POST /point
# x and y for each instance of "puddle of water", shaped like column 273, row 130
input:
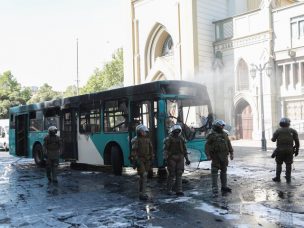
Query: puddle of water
column 260, row 195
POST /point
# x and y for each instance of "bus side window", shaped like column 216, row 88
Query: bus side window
column 89, row 121
column 141, row 113
column 36, row 121
column 116, row 116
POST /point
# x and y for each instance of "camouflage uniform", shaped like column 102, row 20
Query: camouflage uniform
column 52, row 149
column 142, row 157
column 174, row 153
column 218, row 147
column 285, row 137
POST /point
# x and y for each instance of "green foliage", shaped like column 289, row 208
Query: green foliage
column 44, row 93
column 110, row 75
column 11, row 93
column 70, row 91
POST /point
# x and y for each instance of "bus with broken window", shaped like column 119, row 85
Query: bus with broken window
column 97, row 128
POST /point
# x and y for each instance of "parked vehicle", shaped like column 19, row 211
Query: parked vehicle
column 4, row 135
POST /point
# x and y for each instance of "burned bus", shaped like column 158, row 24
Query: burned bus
column 97, row 128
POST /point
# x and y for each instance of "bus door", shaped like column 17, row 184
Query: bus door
column 68, row 134
column 145, row 112
column 21, row 133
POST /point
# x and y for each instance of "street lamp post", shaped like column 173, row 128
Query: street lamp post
column 253, row 70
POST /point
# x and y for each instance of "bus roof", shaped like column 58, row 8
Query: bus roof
column 137, row 92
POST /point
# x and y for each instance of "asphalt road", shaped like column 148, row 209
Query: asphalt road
column 100, row 199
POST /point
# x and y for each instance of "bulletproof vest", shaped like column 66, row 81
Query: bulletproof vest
column 52, row 143
column 175, row 145
column 220, row 144
column 143, row 147
column 285, row 137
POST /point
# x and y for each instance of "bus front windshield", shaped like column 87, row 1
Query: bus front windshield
column 188, row 114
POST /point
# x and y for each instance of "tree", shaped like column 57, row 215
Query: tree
column 44, row 93
column 11, row 93
column 110, row 75
column 70, row 91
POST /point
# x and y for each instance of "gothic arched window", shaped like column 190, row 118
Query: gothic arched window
column 242, row 76
column 167, row 48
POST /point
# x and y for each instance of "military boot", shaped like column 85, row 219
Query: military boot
column 277, row 178
column 223, row 177
column 179, row 188
column 288, row 173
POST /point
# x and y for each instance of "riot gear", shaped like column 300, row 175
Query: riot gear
column 218, row 147
column 287, row 144
column 52, row 130
column 52, row 145
column 142, row 157
column 141, row 129
column 175, row 129
column 218, row 125
column 284, row 122
column 175, row 151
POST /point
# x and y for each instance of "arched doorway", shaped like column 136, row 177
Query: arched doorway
column 244, row 120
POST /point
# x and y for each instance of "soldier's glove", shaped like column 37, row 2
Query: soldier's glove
column 133, row 162
column 274, row 154
column 231, row 156
column 188, row 162
column 295, row 151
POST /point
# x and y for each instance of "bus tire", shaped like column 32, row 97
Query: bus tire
column 116, row 160
column 38, row 155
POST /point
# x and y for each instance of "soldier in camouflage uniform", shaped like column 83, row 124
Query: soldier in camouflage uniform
column 174, row 153
column 218, row 147
column 141, row 157
column 52, row 147
column 287, row 145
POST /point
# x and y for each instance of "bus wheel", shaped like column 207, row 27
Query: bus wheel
column 116, row 160
column 38, row 155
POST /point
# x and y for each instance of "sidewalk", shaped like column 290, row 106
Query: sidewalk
column 257, row 143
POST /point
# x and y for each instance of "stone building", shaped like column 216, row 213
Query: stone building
column 219, row 43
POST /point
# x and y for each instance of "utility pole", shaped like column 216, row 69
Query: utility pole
column 77, row 80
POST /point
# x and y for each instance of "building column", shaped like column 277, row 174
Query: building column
column 136, row 54
column 301, row 74
column 291, row 76
column 284, row 77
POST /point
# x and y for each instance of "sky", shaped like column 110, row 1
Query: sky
column 38, row 39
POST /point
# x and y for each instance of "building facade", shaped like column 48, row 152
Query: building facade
column 218, row 43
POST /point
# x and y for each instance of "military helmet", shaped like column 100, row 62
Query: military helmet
column 141, row 128
column 52, row 130
column 285, row 122
column 219, row 123
column 175, row 128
